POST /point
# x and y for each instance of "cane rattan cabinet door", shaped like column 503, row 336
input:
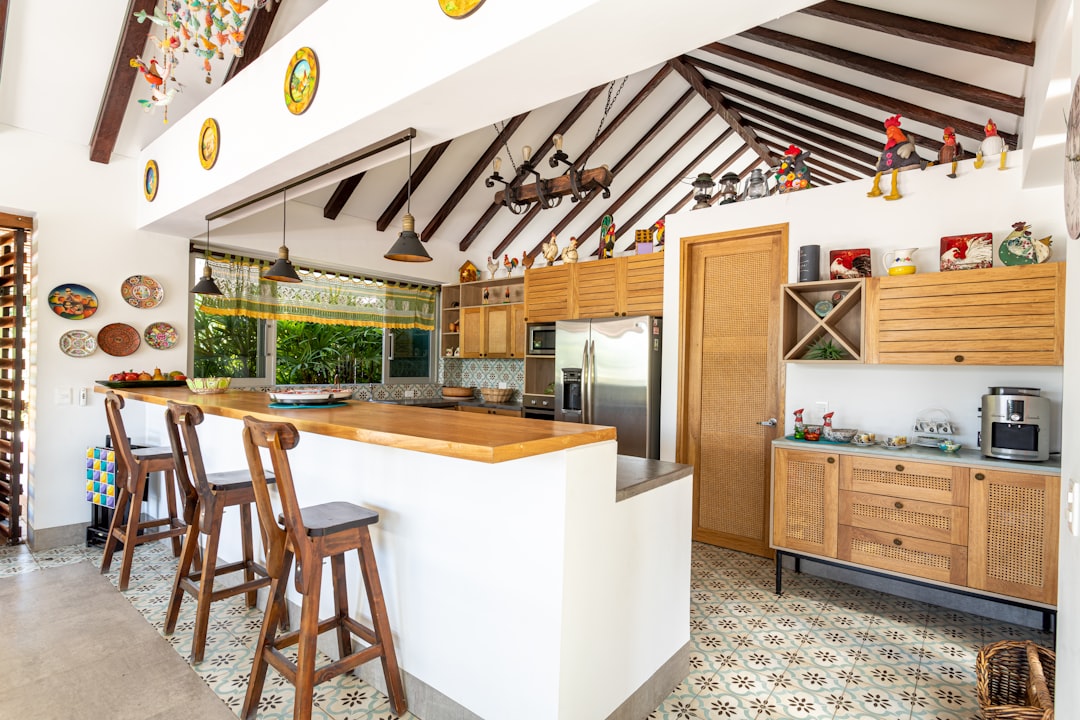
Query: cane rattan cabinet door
column 805, row 501
column 1013, row 538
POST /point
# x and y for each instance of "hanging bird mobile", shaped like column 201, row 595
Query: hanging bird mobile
column 950, row 151
column 992, row 144
column 793, row 173
column 898, row 154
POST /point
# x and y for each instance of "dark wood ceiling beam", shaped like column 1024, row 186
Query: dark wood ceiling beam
column 122, row 76
column 799, row 133
column 256, row 30
column 538, row 153
column 817, row 162
column 340, row 196
column 782, row 137
column 854, row 93
column 422, row 169
column 884, row 70
column 719, row 105
column 3, row 32
column 677, row 177
column 925, row 31
column 619, row 118
column 873, row 124
column 469, row 181
column 644, row 140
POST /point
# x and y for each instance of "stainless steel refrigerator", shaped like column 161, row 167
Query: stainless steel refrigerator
column 607, row 372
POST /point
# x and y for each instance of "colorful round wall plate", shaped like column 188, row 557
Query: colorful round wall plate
column 78, row 343
column 118, row 339
column 160, row 335
column 459, row 8
column 301, row 80
column 72, row 301
column 150, row 180
column 142, row 291
column 209, row 142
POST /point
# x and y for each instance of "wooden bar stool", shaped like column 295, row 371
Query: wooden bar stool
column 131, row 472
column 207, row 496
column 312, row 533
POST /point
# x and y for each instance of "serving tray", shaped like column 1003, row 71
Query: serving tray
column 120, row 384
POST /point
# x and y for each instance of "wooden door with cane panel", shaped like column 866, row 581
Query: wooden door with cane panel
column 731, row 380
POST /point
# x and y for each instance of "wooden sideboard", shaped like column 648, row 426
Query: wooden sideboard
column 976, row 526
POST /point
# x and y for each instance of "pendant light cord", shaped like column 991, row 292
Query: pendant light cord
column 408, row 196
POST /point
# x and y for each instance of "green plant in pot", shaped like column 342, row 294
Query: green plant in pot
column 824, row 349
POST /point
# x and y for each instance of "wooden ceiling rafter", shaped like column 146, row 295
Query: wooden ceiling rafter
column 875, row 125
column 820, row 163
column 431, row 157
column 800, row 131
column 720, row 106
column 853, row 92
column 117, row 95
column 956, row 38
column 862, row 163
column 341, row 195
column 623, row 114
column 256, row 30
column 469, row 181
column 561, row 129
column 888, row 70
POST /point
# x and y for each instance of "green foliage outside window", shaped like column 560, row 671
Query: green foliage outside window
column 318, row 353
column 226, row 346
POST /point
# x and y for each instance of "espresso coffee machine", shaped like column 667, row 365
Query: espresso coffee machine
column 1015, row 424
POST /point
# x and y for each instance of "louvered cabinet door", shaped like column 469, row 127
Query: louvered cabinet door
column 1013, row 537
column 805, row 501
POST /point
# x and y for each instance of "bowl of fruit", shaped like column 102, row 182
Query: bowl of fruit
column 133, row 379
column 208, row 385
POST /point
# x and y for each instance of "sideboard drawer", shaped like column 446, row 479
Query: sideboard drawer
column 913, row 518
column 899, row 553
column 945, row 484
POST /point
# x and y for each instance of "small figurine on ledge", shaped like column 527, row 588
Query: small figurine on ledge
column 569, row 253
column 492, row 266
column 991, row 145
column 898, row 154
column 607, row 227
column 950, row 152
column 792, row 173
column 509, row 263
column 550, row 250
column 527, row 260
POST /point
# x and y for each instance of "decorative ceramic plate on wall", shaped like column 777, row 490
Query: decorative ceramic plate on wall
column 118, row 339
column 160, row 335
column 460, row 8
column 78, row 343
column 301, row 80
column 150, row 180
column 72, row 301
column 209, row 141
column 142, row 291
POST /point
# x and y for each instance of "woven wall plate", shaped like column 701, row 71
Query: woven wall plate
column 118, row 339
column 78, row 343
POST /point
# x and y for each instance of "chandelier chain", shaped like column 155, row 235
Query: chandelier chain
column 506, row 142
column 610, row 102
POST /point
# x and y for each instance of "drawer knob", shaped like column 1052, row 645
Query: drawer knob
column 959, row 358
column 898, row 505
column 831, row 460
column 897, row 542
column 980, row 476
column 899, row 468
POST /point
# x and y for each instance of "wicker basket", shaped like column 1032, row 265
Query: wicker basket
column 497, row 395
column 1015, row 681
column 457, row 392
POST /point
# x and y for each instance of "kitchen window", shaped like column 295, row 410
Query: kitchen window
column 337, row 329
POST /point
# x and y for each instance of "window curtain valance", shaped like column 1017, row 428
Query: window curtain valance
column 328, row 298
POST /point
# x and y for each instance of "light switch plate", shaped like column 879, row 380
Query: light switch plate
column 407, row 393
column 62, row 396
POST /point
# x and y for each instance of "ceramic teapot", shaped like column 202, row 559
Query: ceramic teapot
column 900, row 262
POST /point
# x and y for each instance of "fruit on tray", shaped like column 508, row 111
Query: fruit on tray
column 143, row 376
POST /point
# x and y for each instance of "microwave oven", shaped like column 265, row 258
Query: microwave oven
column 541, row 340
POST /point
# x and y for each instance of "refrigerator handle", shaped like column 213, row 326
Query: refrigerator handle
column 592, row 377
column 585, row 382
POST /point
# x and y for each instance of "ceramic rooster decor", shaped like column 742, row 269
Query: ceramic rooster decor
column 898, row 154
column 793, row 173
column 550, row 250
column 527, row 260
column 1019, row 248
column 658, row 242
column 570, row 253
column 492, row 267
column 607, row 234
column 991, row 145
column 950, row 152
column 510, row 264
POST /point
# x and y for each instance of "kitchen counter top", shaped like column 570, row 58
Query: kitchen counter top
column 634, row 475
column 965, row 456
column 470, row 436
column 441, row 402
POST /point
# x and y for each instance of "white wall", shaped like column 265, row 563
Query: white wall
column 85, row 233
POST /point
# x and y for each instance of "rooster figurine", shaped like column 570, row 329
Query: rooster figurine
column 492, row 267
column 950, row 152
column 991, row 145
column 550, row 250
column 527, row 260
column 570, row 253
column 509, row 263
column 898, row 154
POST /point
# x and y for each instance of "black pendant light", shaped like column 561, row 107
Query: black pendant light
column 407, row 247
column 206, row 285
column 282, row 270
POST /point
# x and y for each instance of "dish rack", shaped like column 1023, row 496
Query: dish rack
column 932, row 426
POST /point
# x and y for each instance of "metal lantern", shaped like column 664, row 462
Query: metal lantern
column 756, row 187
column 703, row 189
column 729, row 188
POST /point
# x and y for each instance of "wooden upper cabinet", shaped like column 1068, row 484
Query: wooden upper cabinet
column 517, row 328
column 498, row 334
column 472, row 332
column 612, row 287
column 997, row 316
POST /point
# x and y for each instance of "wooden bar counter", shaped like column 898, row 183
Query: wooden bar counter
column 521, row 580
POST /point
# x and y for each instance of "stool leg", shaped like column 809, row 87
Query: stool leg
column 381, row 623
column 131, row 531
column 249, row 552
column 341, row 603
column 274, row 607
column 183, row 570
column 170, row 487
column 309, row 636
column 206, row 585
column 116, row 525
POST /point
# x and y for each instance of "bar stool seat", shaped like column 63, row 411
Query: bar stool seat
column 313, row 533
column 207, row 495
column 133, row 468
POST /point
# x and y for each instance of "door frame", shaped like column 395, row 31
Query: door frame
column 780, row 269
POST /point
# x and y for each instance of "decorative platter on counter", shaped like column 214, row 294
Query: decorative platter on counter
column 78, row 343
column 142, row 291
column 309, row 397
column 120, row 384
column 118, row 339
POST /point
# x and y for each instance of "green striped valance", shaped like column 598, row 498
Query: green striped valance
column 328, row 298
